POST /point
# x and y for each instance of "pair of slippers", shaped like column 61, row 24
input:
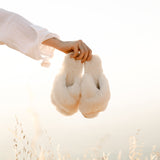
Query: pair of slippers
column 89, row 93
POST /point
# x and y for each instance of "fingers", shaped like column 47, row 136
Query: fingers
column 89, row 55
column 82, row 52
column 76, row 51
column 86, row 54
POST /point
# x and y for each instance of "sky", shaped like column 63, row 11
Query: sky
column 126, row 35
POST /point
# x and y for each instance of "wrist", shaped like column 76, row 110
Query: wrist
column 53, row 42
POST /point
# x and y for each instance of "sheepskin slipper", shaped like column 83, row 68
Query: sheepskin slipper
column 66, row 88
column 95, row 92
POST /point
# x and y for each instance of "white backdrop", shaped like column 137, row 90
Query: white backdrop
column 126, row 35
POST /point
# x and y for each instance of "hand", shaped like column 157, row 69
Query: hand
column 80, row 50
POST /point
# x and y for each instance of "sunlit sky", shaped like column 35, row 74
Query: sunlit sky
column 126, row 35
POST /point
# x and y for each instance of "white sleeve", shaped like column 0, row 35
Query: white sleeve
column 21, row 35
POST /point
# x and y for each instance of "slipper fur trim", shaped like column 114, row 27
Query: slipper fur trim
column 66, row 88
column 95, row 92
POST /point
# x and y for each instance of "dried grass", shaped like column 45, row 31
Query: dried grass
column 25, row 150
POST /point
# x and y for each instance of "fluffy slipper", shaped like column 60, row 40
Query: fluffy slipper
column 66, row 88
column 95, row 92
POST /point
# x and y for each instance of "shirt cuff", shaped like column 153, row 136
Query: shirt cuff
column 44, row 52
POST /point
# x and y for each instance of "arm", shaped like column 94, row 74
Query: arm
column 36, row 42
column 18, row 33
column 81, row 50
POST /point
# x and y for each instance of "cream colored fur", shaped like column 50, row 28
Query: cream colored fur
column 66, row 88
column 95, row 92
